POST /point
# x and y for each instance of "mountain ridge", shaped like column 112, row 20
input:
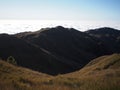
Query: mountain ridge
column 60, row 49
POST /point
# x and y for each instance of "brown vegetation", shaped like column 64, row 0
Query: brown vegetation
column 102, row 73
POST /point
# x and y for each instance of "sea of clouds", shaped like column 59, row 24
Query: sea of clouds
column 16, row 26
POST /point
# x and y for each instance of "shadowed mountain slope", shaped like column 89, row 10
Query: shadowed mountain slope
column 31, row 56
column 67, row 44
column 109, row 37
column 59, row 50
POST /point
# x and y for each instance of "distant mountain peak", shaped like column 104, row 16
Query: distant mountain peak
column 59, row 27
column 103, row 30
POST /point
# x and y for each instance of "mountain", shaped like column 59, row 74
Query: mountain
column 109, row 37
column 68, row 44
column 59, row 50
column 102, row 73
column 31, row 56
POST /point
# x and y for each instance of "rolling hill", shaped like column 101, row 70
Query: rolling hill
column 102, row 73
column 18, row 78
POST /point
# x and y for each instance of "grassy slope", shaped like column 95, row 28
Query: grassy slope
column 18, row 78
column 102, row 73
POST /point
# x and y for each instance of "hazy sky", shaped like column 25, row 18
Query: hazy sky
column 97, row 10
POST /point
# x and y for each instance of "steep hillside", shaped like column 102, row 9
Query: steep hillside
column 68, row 44
column 31, row 56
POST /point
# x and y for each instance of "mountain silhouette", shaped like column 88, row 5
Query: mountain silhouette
column 30, row 56
column 59, row 50
column 109, row 37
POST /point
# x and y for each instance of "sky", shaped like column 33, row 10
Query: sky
column 60, row 9
column 83, row 14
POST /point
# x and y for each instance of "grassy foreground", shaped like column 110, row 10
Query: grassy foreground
column 102, row 73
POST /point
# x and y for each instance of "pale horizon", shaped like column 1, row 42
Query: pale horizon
column 17, row 26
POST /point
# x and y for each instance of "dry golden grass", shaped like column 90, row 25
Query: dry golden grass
column 102, row 73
